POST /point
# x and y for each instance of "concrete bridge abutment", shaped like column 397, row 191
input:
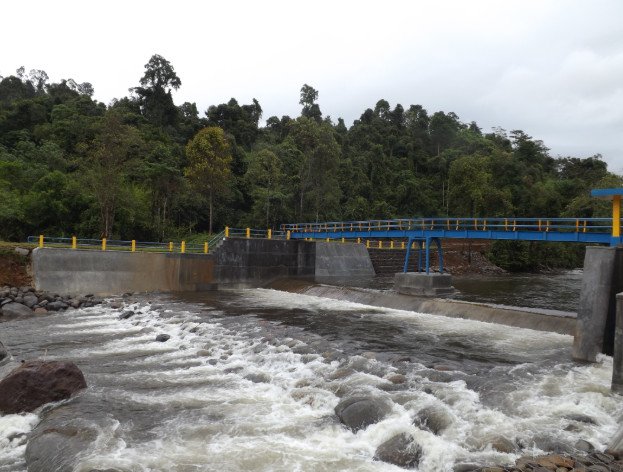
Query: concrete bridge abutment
column 602, row 280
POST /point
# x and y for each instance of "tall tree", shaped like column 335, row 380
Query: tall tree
column 209, row 164
column 108, row 167
column 154, row 94
column 309, row 95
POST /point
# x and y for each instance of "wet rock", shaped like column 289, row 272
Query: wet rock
column 22, row 251
column 40, row 311
column 438, row 376
column 580, row 418
column 401, row 450
column 502, row 444
column 584, row 446
column 434, row 419
column 74, row 303
column 56, row 305
column 161, row 338
column 60, row 438
column 126, row 314
column 35, row 383
column 552, row 445
column 554, row 461
column 30, row 300
column 116, row 305
column 341, row 373
column 360, row 412
column 615, row 447
column 16, row 309
column 397, row 379
column 4, row 354
column 465, row 467
column 258, row 378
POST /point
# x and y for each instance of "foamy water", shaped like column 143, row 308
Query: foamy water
column 249, row 381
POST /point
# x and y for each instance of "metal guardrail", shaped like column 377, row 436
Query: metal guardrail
column 582, row 225
column 145, row 246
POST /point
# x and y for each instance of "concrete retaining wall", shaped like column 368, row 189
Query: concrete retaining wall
column 236, row 263
column 337, row 260
column 77, row 272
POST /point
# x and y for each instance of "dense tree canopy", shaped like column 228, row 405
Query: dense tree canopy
column 143, row 167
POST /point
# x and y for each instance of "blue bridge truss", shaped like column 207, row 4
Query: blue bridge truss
column 421, row 233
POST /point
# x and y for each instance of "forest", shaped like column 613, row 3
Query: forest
column 142, row 167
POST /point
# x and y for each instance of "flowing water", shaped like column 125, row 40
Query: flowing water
column 250, row 378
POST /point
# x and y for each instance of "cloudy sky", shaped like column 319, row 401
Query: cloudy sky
column 553, row 68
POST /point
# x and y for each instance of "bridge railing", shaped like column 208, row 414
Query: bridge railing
column 601, row 225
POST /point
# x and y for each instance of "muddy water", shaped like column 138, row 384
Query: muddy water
column 250, row 378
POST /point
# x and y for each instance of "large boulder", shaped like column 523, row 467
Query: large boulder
column 16, row 309
column 35, row 383
column 360, row 412
column 401, row 450
column 4, row 354
column 62, row 436
column 434, row 419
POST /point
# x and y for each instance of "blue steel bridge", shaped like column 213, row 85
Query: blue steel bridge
column 421, row 233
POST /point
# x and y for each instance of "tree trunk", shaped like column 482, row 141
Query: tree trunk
column 210, row 203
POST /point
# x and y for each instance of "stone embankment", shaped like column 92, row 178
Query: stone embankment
column 25, row 301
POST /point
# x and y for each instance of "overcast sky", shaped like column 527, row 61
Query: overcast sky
column 552, row 68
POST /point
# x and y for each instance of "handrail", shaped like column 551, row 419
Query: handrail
column 601, row 225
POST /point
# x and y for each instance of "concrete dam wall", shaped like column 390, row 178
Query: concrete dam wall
column 236, row 263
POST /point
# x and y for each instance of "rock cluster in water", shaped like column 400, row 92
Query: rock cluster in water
column 25, row 301
column 593, row 462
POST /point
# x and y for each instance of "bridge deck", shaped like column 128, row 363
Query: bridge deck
column 576, row 230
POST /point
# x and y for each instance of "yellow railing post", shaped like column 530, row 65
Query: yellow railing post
column 343, row 240
column 539, row 225
column 248, row 233
column 368, row 243
column 391, row 244
column 183, row 247
column 206, row 248
column 402, row 245
column 269, row 233
column 505, row 224
column 288, row 234
column 327, row 239
column 380, row 244
column 170, row 246
column 134, row 245
column 227, row 231
column 358, row 240
column 616, row 216
column 103, row 244
column 74, row 242
column 40, row 240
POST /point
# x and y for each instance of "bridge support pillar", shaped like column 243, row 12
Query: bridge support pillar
column 602, row 280
column 419, row 283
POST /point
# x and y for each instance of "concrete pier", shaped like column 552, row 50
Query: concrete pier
column 617, row 361
column 602, row 280
column 422, row 284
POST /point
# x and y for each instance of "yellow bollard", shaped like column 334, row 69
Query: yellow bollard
column 288, row 234
column 269, row 233
column 205, row 248
column 170, row 246
column 74, row 243
column 391, row 244
column 343, row 240
column 40, row 240
column 380, row 244
column 327, row 239
column 358, row 240
column 103, row 244
column 248, row 233
column 227, row 231
column 183, row 247
column 368, row 243
column 134, row 245
column 616, row 216
column 402, row 245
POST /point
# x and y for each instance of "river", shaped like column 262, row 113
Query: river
column 250, row 378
